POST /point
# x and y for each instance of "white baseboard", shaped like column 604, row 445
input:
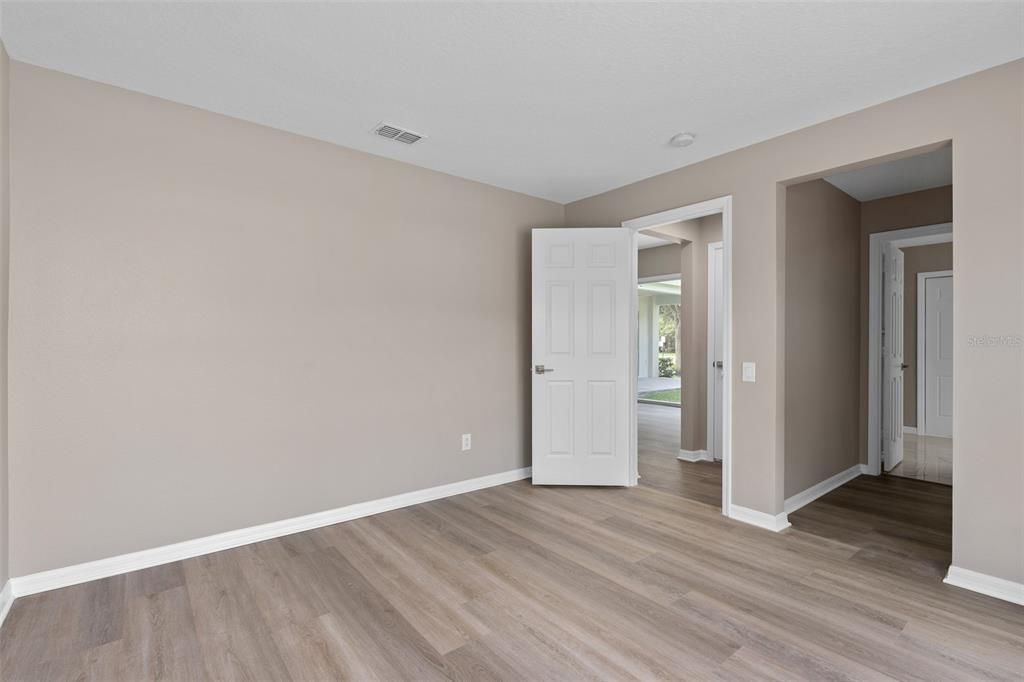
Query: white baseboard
column 6, row 599
column 104, row 568
column 694, row 455
column 866, row 470
column 759, row 519
column 909, row 429
column 815, row 491
column 1000, row 588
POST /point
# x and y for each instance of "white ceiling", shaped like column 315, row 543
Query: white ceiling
column 556, row 100
column 914, row 173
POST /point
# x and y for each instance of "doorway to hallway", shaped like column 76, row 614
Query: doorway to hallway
column 685, row 446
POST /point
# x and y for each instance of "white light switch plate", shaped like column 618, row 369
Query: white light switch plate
column 749, row 372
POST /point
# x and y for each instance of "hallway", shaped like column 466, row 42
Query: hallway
column 658, row 450
column 889, row 523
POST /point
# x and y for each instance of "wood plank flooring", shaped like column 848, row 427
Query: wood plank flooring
column 524, row 583
column 658, row 429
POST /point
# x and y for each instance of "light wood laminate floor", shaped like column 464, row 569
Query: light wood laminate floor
column 926, row 458
column 658, row 428
column 524, row 583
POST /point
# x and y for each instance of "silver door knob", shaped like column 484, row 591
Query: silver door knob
column 541, row 369
column 718, row 364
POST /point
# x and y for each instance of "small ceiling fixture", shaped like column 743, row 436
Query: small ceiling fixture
column 682, row 139
column 397, row 133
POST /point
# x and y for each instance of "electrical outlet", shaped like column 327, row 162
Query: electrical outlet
column 467, row 441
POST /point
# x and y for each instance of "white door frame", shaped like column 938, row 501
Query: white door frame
column 922, row 330
column 709, row 357
column 721, row 205
column 914, row 236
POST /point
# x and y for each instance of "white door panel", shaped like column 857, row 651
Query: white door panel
column 601, row 416
column 560, row 417
column 892, row 358
column 582, row 284
column 938, row 356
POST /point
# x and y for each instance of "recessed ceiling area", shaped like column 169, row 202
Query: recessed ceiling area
column 555, row 100
column 910, row 174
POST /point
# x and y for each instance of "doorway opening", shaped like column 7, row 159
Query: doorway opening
column 868, row 261
column 682, row 337
column 911, row 345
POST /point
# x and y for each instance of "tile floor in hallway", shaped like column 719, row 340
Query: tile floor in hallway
column 926, row 458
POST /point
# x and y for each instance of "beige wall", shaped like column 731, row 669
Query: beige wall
column 822, row 296
column 916, row 209
column 917, row 259
column 5, row 261
column 660, row 260
column 982, row 114
column 927, row 207
column 217, row 324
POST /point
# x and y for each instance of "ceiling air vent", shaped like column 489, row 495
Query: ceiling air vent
column 397, row 134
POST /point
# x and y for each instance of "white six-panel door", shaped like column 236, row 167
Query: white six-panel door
column 938, row 356
column 583, row 281
column 892, row 358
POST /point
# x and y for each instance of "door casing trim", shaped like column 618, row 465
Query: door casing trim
column 720, row 205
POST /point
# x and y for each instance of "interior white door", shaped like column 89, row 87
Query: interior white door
column 583, row 290
column 716, row 348
column 892, row 358
column 938, row 356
